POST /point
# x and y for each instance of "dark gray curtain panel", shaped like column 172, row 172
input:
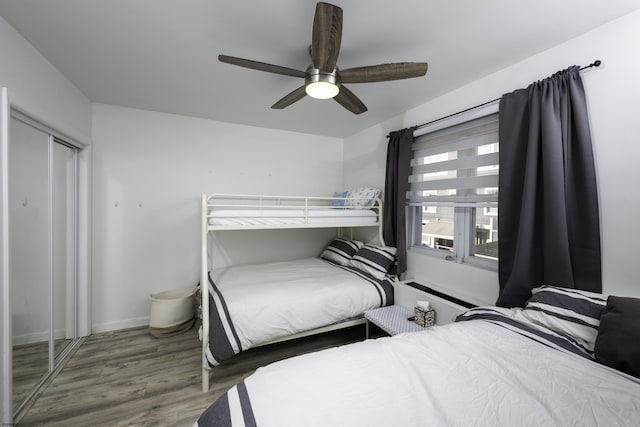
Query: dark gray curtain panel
column 549, row 230
column 396, row 185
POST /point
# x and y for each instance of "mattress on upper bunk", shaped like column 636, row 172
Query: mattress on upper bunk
column 291, row 216
column 255, row 304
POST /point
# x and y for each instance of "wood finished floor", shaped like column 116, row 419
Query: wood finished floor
column 128, row 378
column 30, row 365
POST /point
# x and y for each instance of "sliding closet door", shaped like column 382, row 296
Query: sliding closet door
column 39, row 274
column 43, row 218
column 30, row 278
column 64, row 215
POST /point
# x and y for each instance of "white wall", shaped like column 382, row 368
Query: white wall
column 150, row 170
column 612, row 96
column 37, row 88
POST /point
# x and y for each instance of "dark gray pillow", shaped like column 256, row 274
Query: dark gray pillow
column 374, row 260
column 618, row 340
column 340, row 251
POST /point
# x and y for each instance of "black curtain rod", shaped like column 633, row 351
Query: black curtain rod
column 595, row 63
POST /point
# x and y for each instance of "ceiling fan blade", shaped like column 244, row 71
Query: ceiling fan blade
column 260, row 66
column 350, row 101
column 326, row 36
column 384, row 72
column 290, row 98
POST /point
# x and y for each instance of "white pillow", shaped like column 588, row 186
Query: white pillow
column 362, row 196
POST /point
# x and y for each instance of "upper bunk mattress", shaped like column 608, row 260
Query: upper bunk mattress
column 291, row 216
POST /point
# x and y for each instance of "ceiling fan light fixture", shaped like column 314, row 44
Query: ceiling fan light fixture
column 321, row 90
column 321, row 85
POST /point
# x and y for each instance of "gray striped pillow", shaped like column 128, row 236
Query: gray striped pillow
column 570, row 312
column 374, row 260
column 341, row 250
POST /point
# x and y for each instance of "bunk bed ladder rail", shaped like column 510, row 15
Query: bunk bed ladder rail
column 204, row 292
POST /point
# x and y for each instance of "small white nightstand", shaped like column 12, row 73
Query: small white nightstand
column 393, row 319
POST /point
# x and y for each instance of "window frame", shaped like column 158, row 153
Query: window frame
column 464, row 217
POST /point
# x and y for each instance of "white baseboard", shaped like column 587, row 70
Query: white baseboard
column 120, row 324
column 30, row 338
column 37, row 337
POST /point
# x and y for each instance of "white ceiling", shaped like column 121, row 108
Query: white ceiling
column 161, row 55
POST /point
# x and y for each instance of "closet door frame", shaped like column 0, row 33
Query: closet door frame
column 83, row 213
column 54, row 358
column 6, row 341
column 9, row 412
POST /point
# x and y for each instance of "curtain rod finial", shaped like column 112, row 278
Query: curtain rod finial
column 595, row 63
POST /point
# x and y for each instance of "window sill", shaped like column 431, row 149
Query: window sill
column 485, row 264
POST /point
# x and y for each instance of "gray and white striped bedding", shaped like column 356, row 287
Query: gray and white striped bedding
column 219, row 414
column 253, row 305
column 491, row 368
column 513, row 320
column 569, row 312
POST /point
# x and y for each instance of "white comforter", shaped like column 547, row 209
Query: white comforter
column 472, row 373
column 270, row 301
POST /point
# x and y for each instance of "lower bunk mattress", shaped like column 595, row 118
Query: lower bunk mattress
column 255, row 304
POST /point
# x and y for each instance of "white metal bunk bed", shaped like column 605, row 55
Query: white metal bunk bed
column 226, row 212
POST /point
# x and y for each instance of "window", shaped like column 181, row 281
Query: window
column 454, row 189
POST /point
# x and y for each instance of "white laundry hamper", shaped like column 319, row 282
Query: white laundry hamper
column 172, row 312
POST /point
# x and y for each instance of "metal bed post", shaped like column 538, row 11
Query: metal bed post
column 204, row 293
column 381, row 224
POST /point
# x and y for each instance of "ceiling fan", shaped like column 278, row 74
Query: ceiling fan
column 323, row 79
